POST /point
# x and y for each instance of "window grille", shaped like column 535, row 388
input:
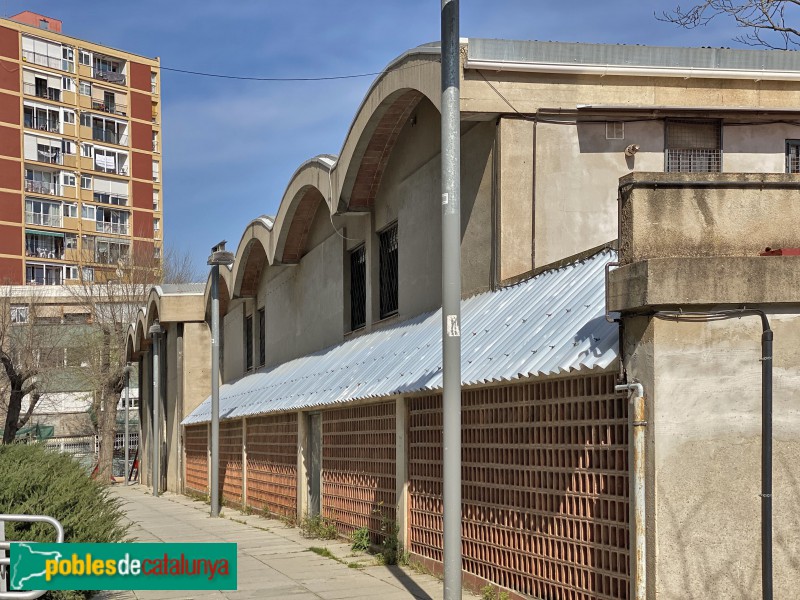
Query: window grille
column 388, row 271
column 358, row 288
column 262, row 337
column 793, row 156
column 248, row 336
column 694, row 146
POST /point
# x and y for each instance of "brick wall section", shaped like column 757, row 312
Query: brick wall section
column 545, row 487
column 9, row 76
column 10, row 271
column 272, row 464
column 9, row 43
column 358, row 466
column 196, row 444
column 230, row 461
column 9, row 142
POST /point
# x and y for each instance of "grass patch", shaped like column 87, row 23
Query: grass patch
column 317, row 527
column 323, row 552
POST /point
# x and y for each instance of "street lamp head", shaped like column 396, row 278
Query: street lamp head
column 220, row 256
column 155, row 328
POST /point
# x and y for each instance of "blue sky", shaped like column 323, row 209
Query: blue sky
column 230, row 147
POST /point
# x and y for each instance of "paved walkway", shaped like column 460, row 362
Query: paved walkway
column 274, row 561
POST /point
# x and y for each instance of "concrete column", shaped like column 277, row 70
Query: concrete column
column 401, row 470
column 303, row 456
column 244, row 462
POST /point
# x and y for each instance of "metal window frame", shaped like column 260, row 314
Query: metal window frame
column 393, row 308
column 791, row 143
column 720, row 138
column 361, row 306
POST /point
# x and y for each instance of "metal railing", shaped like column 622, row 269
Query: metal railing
column 119, row 228
column 51, row 125
column 693, row 160
column 32, row 218
column 793, row 164
column 109, row 198
column 51, row 188
column 114, row 108
column 5, row 547
column 54, row 62
column 48, row 93
column 109, row 76
column 106, row 135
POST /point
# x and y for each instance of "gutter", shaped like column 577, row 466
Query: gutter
column 603, row 70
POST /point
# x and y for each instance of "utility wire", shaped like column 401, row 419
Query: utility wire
column 278, row 79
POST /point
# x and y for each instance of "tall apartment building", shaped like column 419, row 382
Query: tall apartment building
column 80, row 162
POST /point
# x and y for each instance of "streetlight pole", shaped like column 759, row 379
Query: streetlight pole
column 219, row 256
column 451, row 298
column 155, row 331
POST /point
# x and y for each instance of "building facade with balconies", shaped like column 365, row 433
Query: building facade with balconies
column 80, row 155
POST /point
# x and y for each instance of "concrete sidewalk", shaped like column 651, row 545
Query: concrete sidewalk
column 274, row 561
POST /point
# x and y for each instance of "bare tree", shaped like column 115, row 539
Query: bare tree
column 179, row 267
column 768, row 23
column 31, row 345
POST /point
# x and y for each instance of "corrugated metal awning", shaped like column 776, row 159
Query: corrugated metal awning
column 550, row 324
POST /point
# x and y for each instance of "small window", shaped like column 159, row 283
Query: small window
column 388, row 271
column 85, row 58
column 67, row 84
column 68, row 147
column 71, row 272
column 88, row 274
column 68, row 179
column 71, row 210
column 615, row 130
column 86, row 182
column 358, row 288
column 19, row 314
column 793, row 156
column 88, row 212
column 248, row 341
column 693, row 146
column 157, row 253
column 86, row 119
column 262, row 337
column 71, row 242
column 85, row 88
column 69, row 117
column 86, row 150
column 155, row 200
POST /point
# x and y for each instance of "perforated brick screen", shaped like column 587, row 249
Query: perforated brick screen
column 358, row 466
column 230, row 461
column 272, row 464
column 196, row 444
column 545, row 486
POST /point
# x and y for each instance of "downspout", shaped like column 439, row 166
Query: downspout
column 636, row 461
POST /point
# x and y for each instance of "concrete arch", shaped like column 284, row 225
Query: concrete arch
column 252, row 255
column 225, row 285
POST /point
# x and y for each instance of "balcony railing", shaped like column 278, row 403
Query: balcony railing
column 118, row 170
column 48, row 154
column 109, row 76
column 46, row 220
column 53, row 62
column 693, row 160
column 114, row 108
column 51, row 125
column 50, row 188
column 119, row 228
column 52, row 253
column 107, row 135
column 47, row 93
column 793, row 164
column 113, row 199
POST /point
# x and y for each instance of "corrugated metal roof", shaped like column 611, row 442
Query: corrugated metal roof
column 169, row 289
column 549, row 324
column 632, row 56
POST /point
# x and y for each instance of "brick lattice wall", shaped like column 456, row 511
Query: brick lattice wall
column 358, row 466
column 196, row 444
column 272, row 464
column 230, row 461
column 545, row 486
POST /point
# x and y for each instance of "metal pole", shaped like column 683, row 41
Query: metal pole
column 766, row 462
column 156, row 417
column 127, row 416
column 214, row 390
column 451, row 297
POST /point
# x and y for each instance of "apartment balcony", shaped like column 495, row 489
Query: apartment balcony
column 44, row 274
column 118, row 228
column 45, row 220
column 107, row 135
column 51, row 125
column 114, row 199
column 123, row 170
column 48, row 93
column 53, row 62
column 114, row 108
column 49, row 188
column 109, row 76
column 52, row 155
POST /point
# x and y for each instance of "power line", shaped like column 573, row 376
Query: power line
column 278, row 79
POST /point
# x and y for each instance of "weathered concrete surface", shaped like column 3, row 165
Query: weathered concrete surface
column 273, row 561
column 703, row 387
column 678, row 214
column 704, row 281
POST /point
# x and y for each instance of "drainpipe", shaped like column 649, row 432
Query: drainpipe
column 636, row 461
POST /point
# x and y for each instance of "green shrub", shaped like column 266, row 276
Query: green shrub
column 317, row 527
column 360, row 539
column 36, row 481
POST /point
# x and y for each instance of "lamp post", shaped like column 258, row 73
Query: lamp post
column 219, row 256
column 128, row 368
column 156, row 331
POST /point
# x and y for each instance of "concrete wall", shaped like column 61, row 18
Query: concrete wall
column 197, row 365
column 232, row 326
column 703, row 388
